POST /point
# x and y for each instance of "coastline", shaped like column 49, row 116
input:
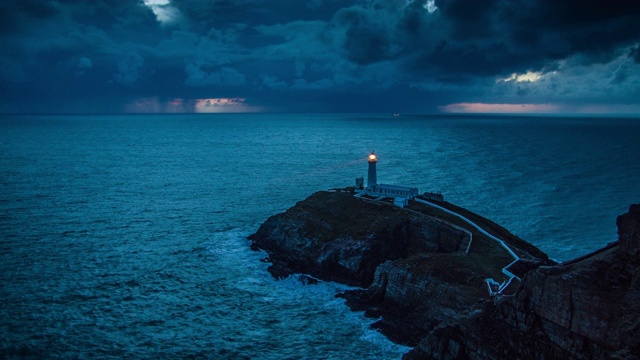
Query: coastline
column 413, row 268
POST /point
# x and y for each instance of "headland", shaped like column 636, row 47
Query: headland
column 455, row 285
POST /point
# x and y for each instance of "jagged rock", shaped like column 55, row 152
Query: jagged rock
column 418, row 293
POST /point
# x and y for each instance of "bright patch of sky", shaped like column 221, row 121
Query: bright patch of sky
column 431, row 6
column 529, row 76
column 549, row 108
column 499, row 108
column 223, row 105
column 164, row 12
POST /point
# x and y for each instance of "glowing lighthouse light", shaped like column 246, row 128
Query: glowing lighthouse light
column 372, row 157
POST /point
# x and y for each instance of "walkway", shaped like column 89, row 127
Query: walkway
column 490, row 282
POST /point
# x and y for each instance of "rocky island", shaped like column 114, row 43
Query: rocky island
column 454, row 285
column 432, row 295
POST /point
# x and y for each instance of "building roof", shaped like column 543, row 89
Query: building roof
column 394, row 187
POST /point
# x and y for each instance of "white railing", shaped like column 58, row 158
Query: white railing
column 489, row 281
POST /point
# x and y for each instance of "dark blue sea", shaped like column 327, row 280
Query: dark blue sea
column 125, row 236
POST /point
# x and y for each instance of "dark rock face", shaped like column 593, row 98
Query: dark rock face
column 416, row 294
column 629, row 233
column 586, row 309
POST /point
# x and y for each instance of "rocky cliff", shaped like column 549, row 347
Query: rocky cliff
column 334, row 236
column 423, row 275
column 420, row 268
column 588, row 308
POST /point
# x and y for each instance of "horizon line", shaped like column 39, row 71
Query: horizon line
column 395, row 115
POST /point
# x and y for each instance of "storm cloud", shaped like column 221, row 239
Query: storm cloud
column 317, row 55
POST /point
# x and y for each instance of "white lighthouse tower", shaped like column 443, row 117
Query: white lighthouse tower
column 372, row 179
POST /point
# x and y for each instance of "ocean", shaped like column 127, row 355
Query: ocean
column 125, row 236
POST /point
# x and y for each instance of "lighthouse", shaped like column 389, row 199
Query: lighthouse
column 374, row 191
column 371, row 178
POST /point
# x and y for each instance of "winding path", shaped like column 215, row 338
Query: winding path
column 490, row 282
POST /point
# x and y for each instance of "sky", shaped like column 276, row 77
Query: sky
column 368, row 56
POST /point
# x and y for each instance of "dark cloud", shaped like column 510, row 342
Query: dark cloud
column 366, row 41
column 470, row 19
column 491, row 37
column 315, row 55
column 13, row 14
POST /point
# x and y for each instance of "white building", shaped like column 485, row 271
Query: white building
column 393, row 191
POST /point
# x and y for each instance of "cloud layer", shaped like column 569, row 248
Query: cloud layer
column 318, row 55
